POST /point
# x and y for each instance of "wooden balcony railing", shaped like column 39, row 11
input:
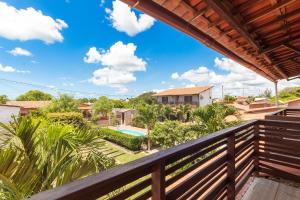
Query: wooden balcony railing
column 287, row 114
column 216, row 166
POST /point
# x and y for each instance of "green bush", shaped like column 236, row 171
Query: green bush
column 73, row 118
column 129, row 141
column 229, row 99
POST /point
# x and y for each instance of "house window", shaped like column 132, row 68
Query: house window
column 164, row 100
column 187, row 99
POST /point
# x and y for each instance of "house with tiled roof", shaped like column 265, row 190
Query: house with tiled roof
column 27, row 106
column 196, row 96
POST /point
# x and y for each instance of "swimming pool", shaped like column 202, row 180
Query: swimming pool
column 132, row 132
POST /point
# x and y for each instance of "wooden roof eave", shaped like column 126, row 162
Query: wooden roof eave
column 177, row 22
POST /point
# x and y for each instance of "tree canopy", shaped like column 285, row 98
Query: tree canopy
column 102, row 106
column 34, row 95
column 3, row 99
column 65, row 103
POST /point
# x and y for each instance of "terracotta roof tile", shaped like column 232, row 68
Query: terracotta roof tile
column 183, row 91
column 29, row 104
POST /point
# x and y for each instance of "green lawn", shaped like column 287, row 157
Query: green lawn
column 123, row 155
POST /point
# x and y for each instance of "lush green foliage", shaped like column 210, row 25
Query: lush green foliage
column 229, row 98
column 119, row 103
column 147, row 115
column 86, row 100
column 171, row 133
column 64, row 103
column 211, row 118
column 34, row 95
column 129, row 141
column 102, row 106
column 3, row 99
column 145, row 98
column 37, row 156
column 73, row 118
column 207, row 119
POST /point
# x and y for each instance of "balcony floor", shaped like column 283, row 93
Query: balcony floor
column 266, row 189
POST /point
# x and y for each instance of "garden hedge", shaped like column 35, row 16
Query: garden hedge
column 73, row 118
column 129, row 141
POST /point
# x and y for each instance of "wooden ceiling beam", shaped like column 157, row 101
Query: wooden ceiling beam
column 295, row 49
column 224, row 12
column 296, row 61
column 163, row 14
column 267, row 11
column 198, row 14
column 270, row 23
column 279, row 44
column 292, row 78
column 281, row 29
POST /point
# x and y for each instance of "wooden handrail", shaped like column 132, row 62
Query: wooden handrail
column 287, row 114
column 219, row 163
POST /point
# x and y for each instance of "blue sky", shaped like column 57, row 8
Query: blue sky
column 101, row 47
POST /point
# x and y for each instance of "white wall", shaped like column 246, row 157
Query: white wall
column 206, row 98
column 6, row 112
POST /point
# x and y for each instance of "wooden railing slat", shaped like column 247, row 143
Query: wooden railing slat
column 230, row 158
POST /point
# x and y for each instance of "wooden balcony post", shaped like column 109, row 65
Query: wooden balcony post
column 256, row 150
column 231, row 166
column 158, row 181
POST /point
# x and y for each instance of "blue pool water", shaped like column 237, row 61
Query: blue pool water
column 132, row 132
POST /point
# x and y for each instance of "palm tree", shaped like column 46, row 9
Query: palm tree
column 36, row 156
column 183, row 112
column 148, row 116
column 211, row 117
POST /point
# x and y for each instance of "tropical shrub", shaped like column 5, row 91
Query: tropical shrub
column 3, row 99
column 147, row 115
column 102, row 106
column 73, row 118
column 37, row 156
column 65, row 103
column 229, row 99
column 211, row 118
column 129, row 141
column 136, row 122
column 171, row 133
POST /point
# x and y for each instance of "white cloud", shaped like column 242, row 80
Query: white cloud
column 175, row 76
column 102, row 2
column 234, row 77
column 6, row 68
column 20, row 52
column 119, row 64
column 51, row 86
column 29, row 24
column 10, row 69
column 193, row 75
column 125, row 20
column 92, row 56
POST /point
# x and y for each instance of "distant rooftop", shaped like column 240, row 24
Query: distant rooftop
column 29, row 104
column 183, row 91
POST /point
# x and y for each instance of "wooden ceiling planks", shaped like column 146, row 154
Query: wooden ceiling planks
column 262, row 35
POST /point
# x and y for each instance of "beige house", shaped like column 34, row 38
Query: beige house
column 196, row 96
column 124, row 115
column 27, row 106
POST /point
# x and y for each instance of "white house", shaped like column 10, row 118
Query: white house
column 196, row 96
column 7, row 111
